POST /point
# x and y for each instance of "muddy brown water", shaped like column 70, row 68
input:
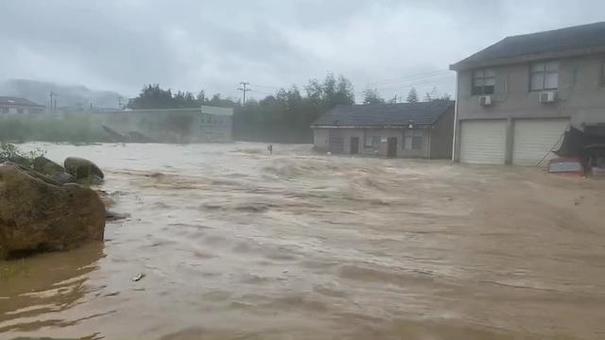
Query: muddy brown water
column 237, row 244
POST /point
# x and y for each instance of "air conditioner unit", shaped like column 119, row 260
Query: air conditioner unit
column 486, row 100
column 548, row 97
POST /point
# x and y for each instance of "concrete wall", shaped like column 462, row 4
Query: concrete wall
column 14, row 110
column 442, row 134
column 321, row 139
column 171, row 126
column 580, row 96
column 581, row 93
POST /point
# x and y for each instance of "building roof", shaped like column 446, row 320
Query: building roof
column 379, row 115
column 17, row 101
column 565, row 42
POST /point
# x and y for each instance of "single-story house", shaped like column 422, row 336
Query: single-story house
column 415, row 130
column 518, row 97
column 18, row 106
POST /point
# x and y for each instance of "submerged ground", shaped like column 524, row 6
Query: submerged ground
column 237, row 244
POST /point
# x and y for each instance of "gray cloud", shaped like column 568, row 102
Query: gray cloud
column 187, row 44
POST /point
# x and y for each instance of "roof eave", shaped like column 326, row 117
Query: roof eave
column 385, row 126
column 467, row 65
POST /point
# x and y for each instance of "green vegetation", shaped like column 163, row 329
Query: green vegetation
column 10, row 152
column 284, row 116
column 73, row 128
column 281, row 117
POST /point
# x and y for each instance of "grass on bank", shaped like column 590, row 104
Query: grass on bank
column 72, row 129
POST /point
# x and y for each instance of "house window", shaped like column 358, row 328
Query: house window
column 4, row 110
column 372, row 141
column 20, row 110
column 544, row 76
column 484, row 82
column 413, row 139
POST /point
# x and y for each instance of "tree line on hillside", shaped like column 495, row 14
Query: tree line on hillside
column 282, row 117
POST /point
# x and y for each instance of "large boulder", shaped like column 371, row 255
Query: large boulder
column 53, row 170
column 83, row 170
column 38, row 214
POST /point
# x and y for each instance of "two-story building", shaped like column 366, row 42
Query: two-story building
column 516, row 98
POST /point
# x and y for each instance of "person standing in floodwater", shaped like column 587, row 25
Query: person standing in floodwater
column 270, row 149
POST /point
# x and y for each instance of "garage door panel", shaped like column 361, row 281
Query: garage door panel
column 535, row 139
column 483, row 142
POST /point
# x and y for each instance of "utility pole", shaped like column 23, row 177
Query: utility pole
column 244, row 89
column 52, row 103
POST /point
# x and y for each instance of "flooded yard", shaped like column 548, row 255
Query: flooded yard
column 236, row 244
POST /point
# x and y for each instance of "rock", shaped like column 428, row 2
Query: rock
column 83, row 170
column 115, row 216
column 64, row 178
column 53, row 170
column 47, row 167
column 36, row 214
column 108, row 201
column 17, row 159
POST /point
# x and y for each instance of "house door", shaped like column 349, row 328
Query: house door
column 392, row 147
column 354, row 145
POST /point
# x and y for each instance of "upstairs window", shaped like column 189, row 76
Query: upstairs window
column 484, row 82
column 544, row 76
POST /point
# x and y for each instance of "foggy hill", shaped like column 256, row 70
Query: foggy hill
column 67, row 95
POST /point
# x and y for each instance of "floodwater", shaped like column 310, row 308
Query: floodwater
column 236, row 244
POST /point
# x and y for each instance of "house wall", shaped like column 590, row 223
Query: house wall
column 580, row 96
column 321, row 139
column 580, row 93
column 442, row 134
column 13, row 110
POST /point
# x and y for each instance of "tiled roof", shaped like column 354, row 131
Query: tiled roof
column 424, row 113
column 575, row 40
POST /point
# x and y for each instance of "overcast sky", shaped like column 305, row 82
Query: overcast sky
column 213, row 45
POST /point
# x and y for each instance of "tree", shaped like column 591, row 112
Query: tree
column 393, row 100
column 371, row 96
column 433, row 95
column 284, row 116
column 446, row 97
column 152, row 96
column 412, row 96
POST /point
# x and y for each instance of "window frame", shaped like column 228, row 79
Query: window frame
column 544, row 73
column 374, row 141
column 413, row 135
column 483, row 77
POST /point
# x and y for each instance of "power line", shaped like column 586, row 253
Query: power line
column 244, row 89
column 412, row 76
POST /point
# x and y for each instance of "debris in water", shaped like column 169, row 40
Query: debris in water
column 138, row 277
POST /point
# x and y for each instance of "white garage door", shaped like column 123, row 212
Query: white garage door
column 535, row 139
column 483, row 141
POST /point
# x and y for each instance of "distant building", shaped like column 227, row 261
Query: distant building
column 415, row 130
column 179, row 125
column 517, row 97
column 19, row 106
